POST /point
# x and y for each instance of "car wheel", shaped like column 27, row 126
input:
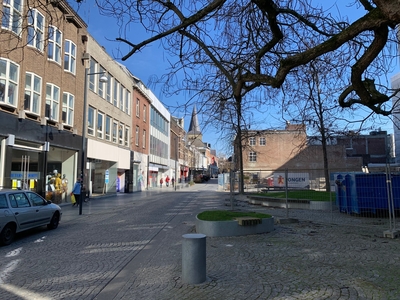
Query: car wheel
column 7, row 234
column 54, row 221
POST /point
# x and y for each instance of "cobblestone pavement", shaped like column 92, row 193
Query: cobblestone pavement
column 133, row 250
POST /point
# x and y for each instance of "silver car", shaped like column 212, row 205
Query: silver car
column 22, row 210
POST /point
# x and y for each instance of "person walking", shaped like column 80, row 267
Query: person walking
column 173, row 181
column 167, row 181
column 161, row 181
column 76, row 192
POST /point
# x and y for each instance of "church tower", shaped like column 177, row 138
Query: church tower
column 194, row 135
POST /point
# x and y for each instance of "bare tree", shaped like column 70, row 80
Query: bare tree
column 239, row 46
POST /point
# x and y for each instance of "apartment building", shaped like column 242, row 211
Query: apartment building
column 109, row 121
column 141, row 134
column 41, row 86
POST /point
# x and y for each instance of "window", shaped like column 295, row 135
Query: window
column 262, row 141
column 69, row 56
column 54, row 46
column 12, row 16
column 144, row 139
column 252, row 141
column 121, row 97
column 92, row 69
column 35, row 29
column 35, row 199
column 127, row 102
column 101, row 85
column 114, row 132
column 90, row 130
column 108, row 128
column 144, row 112
column 121, row 134
column 33, row 92
column 137, row 108
column 100, row 125
column 3, row 201
column 253, row 156
column 52, row 101
column 108, row 88
column 116, row 89
column 8, row 82
column 68, row 109
column 137, row 136
column 126, row 136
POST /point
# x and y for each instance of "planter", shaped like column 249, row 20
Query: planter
column 232, row 228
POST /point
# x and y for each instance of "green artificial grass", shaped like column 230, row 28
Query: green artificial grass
column 226, row 215
column 301, row 194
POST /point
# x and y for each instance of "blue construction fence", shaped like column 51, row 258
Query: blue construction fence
column 374, row 193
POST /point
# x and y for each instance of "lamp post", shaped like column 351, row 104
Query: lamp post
column 176, row 162
column 84, row 130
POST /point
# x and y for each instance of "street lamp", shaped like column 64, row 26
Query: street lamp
column 84, row 130
column 176, row 162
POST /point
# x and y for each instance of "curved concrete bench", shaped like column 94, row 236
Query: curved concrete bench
column 232, row 228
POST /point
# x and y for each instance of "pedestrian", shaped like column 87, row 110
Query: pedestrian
column 161, row 181
column 167, row 181
column 173, row 181
column 76, row 192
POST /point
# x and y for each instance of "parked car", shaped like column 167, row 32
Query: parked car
column 21, row 210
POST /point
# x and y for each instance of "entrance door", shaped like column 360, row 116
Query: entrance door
column 24, row 170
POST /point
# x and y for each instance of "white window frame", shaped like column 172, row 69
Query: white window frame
column 101, row 85
column 91, row 121
column 126, row 136
column 252, row 141
column 109, row 85
column 54, row 45
column 137, row 107
column 35, row 30
column 137, row 136
column 92, row 76
column 114, row 131
column 52, row 101
column 107, row 128
column 33, row 93
column 144, row 112
column 68, row 109
column 121, row 131
column 144, row 139
column 127, row 101
column 100, row 125
column 252, row 156
column 115, row 92
column 70, row 56
column 121, row 97
column 9, row 77
column 262, row 141
column 12, row 16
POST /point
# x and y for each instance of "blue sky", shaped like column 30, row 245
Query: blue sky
column 152, row 61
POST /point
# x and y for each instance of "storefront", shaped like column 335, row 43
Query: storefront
column 37, row 157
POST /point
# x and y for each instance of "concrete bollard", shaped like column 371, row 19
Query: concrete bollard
column 194, row 258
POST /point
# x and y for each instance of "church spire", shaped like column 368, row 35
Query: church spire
column 194, row 127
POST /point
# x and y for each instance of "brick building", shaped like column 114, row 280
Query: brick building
column 41, row 81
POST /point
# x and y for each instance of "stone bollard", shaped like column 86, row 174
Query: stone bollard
column 194, row 258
